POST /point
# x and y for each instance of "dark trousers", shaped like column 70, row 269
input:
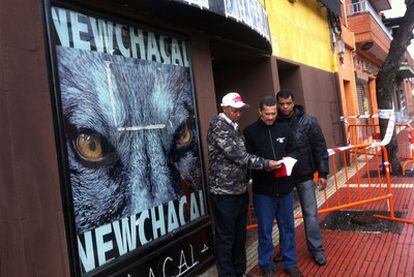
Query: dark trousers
column 309, row 205
column 230, row 216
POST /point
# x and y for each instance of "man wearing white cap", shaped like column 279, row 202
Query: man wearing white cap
column 227, row 180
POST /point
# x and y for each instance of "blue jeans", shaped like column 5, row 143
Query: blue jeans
column 307, row 197
column 267, row 208
column 230, row 218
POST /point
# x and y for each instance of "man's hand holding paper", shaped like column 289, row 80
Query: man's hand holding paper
column 285, row 167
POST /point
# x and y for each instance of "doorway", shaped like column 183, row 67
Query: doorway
column 243, row 70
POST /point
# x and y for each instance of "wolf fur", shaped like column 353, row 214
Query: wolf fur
column 105, row 95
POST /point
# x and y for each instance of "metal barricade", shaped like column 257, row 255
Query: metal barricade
column 365, row 179
column 359, row 133
column 405, row 140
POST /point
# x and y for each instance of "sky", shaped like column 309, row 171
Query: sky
column 398, row 9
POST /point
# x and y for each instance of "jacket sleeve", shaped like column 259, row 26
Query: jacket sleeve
column 319, row 150
column 238, row 155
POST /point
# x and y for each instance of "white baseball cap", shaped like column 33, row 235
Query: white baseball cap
column 234, row 100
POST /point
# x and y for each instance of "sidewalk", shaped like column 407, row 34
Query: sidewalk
column 354, row 253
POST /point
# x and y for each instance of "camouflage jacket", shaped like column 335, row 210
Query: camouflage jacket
column 229, row 159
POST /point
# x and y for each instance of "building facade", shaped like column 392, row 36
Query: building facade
column 303, row 51
column 104, row 111
column 105, row 107
column 372, row 39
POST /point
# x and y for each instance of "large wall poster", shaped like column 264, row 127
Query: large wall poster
column 131, row 134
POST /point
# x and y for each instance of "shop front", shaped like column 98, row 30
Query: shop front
column 133, row 86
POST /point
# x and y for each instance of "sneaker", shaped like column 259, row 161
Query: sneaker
column 294, row 272
column 320, row 259
column 278, row 258
column 266, row 272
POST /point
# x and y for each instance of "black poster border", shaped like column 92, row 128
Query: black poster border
column 133, row 257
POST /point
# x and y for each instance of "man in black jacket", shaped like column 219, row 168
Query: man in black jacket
column 313, row 156
column 272, row 197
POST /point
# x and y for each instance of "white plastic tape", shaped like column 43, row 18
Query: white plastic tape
column 389, row 131
column 385, row 114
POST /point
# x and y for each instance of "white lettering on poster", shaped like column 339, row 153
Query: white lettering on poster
column 89, row 33
column 158, row 224
column 122, row 48
column 195, row 212
column 183, row 201
column 186, row 61
column 175, row 53
column 107, row 242
column 172, row 217
column 86, row 254
column 137, row 38
column 201, row 196
column 152, row 48
column 61, row 26
column 125, row 234
column 102, row 33
column 77, row 29
column 142, row 237
column 166, row 59
column 103, row 246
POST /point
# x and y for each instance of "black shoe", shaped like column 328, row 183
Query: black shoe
column 294, row 272
column 266, row 272
column 278, row 258
column 320, row 259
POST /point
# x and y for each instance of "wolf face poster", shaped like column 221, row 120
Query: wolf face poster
column 131, row 135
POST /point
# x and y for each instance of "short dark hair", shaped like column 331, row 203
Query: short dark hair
column 285, row 94
column 268, row 101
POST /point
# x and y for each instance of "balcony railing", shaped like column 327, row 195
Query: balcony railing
column 363, row 7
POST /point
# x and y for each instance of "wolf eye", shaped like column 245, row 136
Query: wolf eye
column 89, row 147
column 184, row 136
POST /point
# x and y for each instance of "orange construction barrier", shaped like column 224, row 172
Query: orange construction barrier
column 406, row 144
column 362, row 130
column 359, row 133
column 364, row 178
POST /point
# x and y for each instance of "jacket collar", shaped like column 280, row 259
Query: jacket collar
column 261, row 123
column 228, row 120
column 298, row 111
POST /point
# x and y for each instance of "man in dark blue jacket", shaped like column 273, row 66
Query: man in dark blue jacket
column 313, row 156
column 272, row 197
